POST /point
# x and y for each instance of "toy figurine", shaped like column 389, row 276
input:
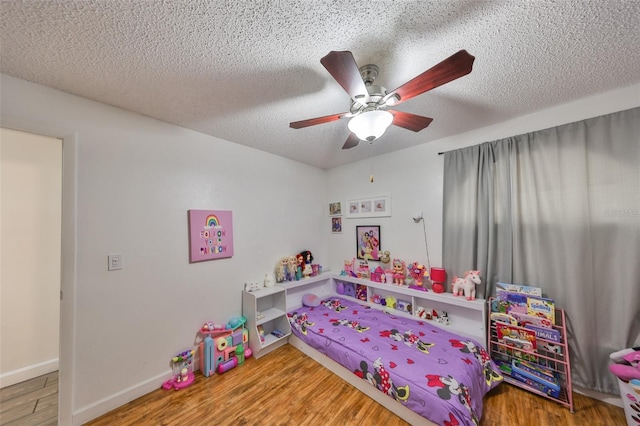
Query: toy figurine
column 467, row 284
column 307, row 269
column 268, row 280
column 292, row 267
column 281, row 269
column 399, row 271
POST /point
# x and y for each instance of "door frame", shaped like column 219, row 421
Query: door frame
column 68, row 255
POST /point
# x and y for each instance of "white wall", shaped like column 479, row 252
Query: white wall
column 413, row 177
column 30, row 218
column 136, row 179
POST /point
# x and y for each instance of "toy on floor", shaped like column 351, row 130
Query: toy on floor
column 182, row 365
column 220, row 344
column 467, row 285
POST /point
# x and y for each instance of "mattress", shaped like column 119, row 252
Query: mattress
column 440, row 375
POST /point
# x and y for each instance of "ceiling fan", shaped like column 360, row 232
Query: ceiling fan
column 370, row 114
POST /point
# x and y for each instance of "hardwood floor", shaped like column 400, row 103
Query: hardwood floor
column 288, row 388
column 33, row 402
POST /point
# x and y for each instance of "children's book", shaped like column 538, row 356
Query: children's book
column 518, row 288
column 524, row 320
column 517, row 337
column 545, row 333
column 541, row 307
column 512, row 302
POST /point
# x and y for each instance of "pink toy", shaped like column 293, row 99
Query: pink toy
column 467, row 284
column 378, row 275
column 630, row 369
column 227, row 365
column 349, row 266
column 182, row 371
column 399, row 271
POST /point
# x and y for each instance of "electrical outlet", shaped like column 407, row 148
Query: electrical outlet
column 115, row 262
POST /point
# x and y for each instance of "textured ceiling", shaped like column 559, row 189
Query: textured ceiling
column 242, row 70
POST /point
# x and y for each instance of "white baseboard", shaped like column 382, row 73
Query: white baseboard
column 116, row 400
column 29, row 372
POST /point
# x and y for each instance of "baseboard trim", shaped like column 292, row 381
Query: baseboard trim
column 116, row 400
column 29, row 372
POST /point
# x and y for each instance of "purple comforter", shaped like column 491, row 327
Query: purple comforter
column 438, row 374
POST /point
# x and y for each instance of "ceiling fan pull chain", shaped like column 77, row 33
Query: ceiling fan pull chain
column 371, row 161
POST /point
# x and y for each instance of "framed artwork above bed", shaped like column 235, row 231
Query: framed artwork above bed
column 368, row 242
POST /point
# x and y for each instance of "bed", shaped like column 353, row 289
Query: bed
column 436, row 374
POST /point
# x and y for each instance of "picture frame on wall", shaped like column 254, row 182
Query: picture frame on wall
column 335, row 209
column 336, row 225
column 368, row 242
column 379, row 206
column 210, row 235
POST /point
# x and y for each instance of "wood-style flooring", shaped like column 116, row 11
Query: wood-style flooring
column 30, row 403
column 286, row 387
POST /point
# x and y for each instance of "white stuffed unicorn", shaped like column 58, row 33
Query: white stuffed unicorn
column 467, row 284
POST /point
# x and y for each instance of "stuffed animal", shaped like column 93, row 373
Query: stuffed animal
column 385, row 259
column 467, row 284
column 281, row 268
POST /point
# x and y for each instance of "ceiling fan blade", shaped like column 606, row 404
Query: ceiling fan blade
column 410, row 121
column 317, row 120
column 344, row 70
column 352, row 141
column 455, row 66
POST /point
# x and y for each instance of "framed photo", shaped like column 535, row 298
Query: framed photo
column 335, row 209
column 336, row 225
column 368, row 242
column 379, row 206
column 210, row 235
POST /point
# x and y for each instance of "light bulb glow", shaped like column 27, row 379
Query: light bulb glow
column 370, row 125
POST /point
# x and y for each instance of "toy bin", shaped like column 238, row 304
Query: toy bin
column 630, row 394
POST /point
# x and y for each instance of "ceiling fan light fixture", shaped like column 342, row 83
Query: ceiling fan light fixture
column 370, row 125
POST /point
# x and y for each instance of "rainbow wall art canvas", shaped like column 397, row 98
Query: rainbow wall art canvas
column 210, row 235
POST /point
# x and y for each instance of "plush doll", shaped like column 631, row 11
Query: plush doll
column 385, row 259
column 467, row 284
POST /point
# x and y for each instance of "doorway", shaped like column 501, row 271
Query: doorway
column 30, row 237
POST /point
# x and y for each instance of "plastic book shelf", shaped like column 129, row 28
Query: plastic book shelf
column 551, row 353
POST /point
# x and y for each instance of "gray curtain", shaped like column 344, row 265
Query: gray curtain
column 559, row 209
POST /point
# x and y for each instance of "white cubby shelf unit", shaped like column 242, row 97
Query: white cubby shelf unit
column 466, row 317
column 266, row 308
